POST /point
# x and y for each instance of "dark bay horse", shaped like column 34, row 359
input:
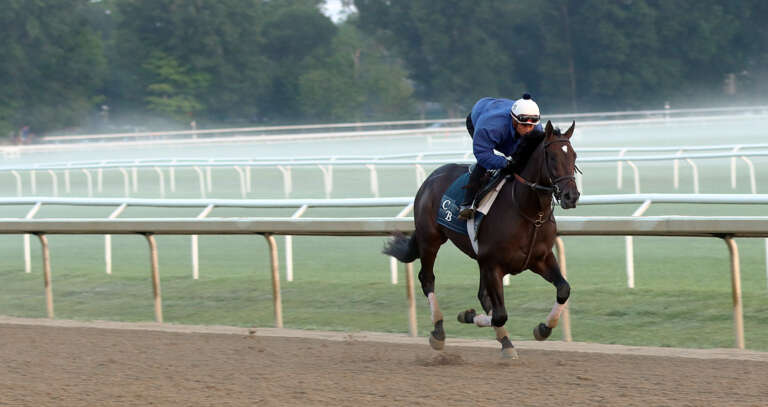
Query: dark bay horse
column 517, row 234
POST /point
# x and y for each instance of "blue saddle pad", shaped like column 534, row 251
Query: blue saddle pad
column 448, row 212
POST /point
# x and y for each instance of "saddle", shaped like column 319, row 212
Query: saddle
column 489, row 183
column 447, row 213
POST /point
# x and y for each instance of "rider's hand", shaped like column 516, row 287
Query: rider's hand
column 511, row 167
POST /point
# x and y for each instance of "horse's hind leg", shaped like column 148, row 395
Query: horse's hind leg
column 491, row 297
column 550, row 270
column 483, row 320
column 470, row 316
column 427, row 253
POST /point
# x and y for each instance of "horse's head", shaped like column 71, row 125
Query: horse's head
column 560, row 164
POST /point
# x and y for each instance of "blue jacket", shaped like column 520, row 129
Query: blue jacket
column 494, row 130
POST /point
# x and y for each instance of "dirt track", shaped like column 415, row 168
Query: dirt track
column 72, row 363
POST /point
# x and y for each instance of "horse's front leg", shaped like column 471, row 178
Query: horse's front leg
column 550, row 270
column 492, row 281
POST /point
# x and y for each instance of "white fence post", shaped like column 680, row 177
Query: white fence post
column 27, row 254
column 752, row 182
column 161, row 181
column 695, row 175
column 248, row 177
column 194, row 238
column 108, row 239
column 629, row 247
column 243, row 186
column 620, row 170
column 18, row 182
column 374, row 180
column 201, row 177
column 289, row 245
column 676, row 171
column 126, row 183
column 287, row 181
column 327, row 178
column 89, row 179
column 100, row 179
column 67, row 186
column 172, row 176
column 637, row 176
column 733, row 167
column 135, row 174
column 209, row 178
column 738, row 311
column 33, row 182
column 54, row 183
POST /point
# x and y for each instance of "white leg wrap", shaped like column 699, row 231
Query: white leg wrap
column 432, row 305
column 482, row 320
column 554, row 315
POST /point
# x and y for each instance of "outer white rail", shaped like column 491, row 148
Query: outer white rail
column 665, row 115
column 403, row 202
column 726, row 228
column 326, row 166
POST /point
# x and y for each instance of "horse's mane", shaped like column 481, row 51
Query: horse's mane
column 533, row 142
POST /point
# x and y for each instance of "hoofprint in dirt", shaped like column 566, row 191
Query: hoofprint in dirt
column 75, row 363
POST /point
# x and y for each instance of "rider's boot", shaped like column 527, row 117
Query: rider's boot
column 467, row 208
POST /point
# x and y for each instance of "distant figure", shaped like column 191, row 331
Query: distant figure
column 24, row 135
column 508, row 126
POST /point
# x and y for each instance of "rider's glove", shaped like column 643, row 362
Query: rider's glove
column 511, row 166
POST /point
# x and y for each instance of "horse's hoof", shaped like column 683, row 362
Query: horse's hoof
column 541, row 332
column 437, row 337
column 468, row 316
column 509, row 353
column 435, row 343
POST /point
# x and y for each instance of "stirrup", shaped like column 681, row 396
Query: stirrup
column 466, row 212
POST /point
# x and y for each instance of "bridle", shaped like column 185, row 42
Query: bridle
column 554, row 184
column 552, row 189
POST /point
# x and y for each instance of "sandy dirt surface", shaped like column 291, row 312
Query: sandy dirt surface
column 61, row 363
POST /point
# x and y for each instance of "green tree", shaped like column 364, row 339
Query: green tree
column 216, row 43
column 357, row 82
column 456, row 51
column 296, row 38
column 173, row 91
column 52, row 65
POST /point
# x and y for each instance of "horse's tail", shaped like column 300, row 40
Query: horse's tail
column 402, row 247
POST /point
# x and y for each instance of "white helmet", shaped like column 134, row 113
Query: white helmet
column 525, row 110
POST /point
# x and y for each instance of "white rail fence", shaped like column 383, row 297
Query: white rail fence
column 203, row 169
column 726, row 228
column 629, row 117
column 392, row 129
column 405, row 204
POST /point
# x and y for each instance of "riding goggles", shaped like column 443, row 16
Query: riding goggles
column 526, row 118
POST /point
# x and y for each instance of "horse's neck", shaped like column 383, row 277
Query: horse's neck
column 534, row 172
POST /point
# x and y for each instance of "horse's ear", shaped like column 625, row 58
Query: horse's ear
column 548, row 128
column 569, row 133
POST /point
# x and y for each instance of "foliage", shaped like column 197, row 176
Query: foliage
column 52, row 64
column 174, row 88
column 244, row 61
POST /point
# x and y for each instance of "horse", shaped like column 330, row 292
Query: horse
column 517, row 233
